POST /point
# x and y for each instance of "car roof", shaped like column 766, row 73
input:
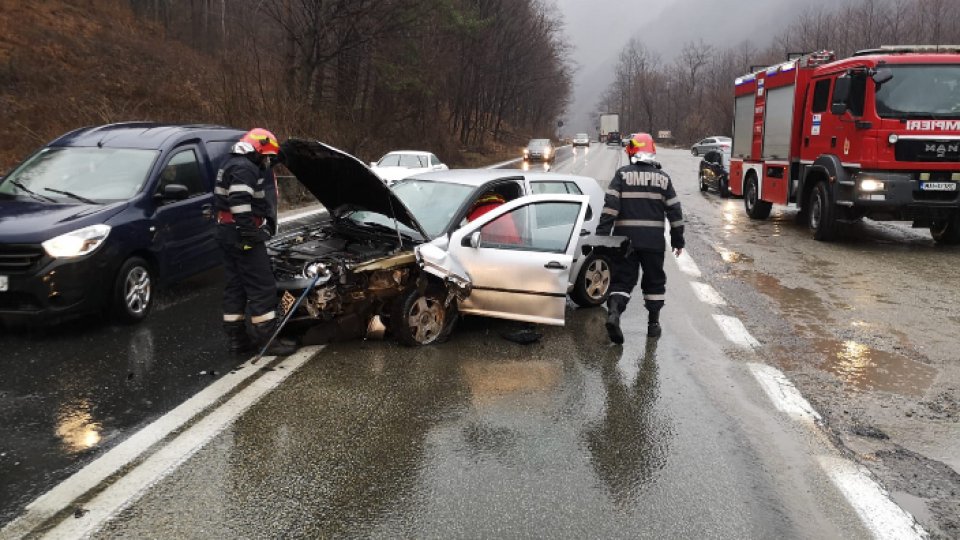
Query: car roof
column 415, row 152
column 145, row 135
column 479, row 177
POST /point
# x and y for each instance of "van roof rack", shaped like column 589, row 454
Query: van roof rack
column 906, row 49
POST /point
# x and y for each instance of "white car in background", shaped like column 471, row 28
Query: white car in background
column 581, row 139
column 401, row 164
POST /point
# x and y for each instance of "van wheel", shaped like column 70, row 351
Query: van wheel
column 756, row 208
column 419, row 318
column 822, row 214
column 132, row 296
column 593, row 284
column 946, row 232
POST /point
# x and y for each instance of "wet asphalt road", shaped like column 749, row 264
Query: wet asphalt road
column 477, row 437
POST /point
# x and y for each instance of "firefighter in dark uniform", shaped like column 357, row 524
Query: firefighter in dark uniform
column 245, row 198
column 639, row 199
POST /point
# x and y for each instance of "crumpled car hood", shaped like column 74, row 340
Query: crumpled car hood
column 337, row 178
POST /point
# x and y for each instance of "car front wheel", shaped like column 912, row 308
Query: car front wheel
column 132, row 296
column 947, row 231
column 593, row 284
column 420, row 318
column 694, row 152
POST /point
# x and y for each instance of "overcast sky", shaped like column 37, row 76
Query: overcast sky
column 598, row 30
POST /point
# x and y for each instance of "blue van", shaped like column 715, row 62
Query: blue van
column 96, row 219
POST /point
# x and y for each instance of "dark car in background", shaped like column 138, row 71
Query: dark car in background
column 715, row 172
column 614, row 137
column 96, row 219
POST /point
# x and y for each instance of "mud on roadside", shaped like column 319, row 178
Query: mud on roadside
column 892, row 404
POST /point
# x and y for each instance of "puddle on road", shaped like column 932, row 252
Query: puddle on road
column 864, row 368
column 733, row 257
column 860, row 366
column 76, row 427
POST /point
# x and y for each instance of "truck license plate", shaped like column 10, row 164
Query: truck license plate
column 4, row 283
column 938, row 186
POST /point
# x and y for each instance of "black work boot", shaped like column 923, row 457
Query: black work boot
column 279, row 347
column 615, row 306
column 653, row 324
column 237, row 339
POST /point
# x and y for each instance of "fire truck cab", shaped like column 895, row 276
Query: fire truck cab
column 875, row 135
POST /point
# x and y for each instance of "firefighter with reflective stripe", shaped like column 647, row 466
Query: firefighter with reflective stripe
column 639, row 199
column 245, row 199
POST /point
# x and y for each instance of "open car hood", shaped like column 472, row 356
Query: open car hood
column 336, row 178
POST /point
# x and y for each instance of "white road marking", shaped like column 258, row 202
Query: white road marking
column 884, row 518
column 302, row 215
column 687, row 266
column 135, row 484
column 783, row 393
column 734, row 330
column 707, row 294
column 87, row 478
column 508, row 162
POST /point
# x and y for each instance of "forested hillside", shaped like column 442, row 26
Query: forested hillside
column 453, row 76
column 693, row 95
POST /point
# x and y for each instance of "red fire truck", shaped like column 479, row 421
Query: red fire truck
column 876, row 135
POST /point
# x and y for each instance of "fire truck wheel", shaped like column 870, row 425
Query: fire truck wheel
column 822, row 213
column 756, row 208
column 723, row 186
column 946, row 232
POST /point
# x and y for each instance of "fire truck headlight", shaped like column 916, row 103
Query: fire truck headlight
column 871, row 185
column 893, row 138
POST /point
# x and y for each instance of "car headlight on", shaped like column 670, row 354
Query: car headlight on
column 546, row 152
column 871, row 185
column 77, row 243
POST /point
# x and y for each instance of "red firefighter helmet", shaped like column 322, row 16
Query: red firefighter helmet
column 261, row 141
column 642, row 148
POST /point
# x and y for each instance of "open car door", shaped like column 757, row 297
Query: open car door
column 518, row 257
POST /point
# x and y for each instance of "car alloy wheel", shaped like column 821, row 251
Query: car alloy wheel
column 137, row 290
column 420, row 318
column 133, row 290
column 593, row 284
column 597, row 279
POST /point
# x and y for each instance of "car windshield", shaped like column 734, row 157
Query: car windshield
column 433, row 204
column 931, row 91
column 538, row 143
column 81, row 174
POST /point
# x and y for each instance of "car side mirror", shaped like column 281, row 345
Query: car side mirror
column 174, row 192
column 471, row 241
column 882, row 76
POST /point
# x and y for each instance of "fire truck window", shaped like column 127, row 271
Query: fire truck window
column 821, row 96
column 858, row 93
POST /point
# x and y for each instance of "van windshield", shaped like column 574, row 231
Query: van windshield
column 73, row 174
column 929, row 91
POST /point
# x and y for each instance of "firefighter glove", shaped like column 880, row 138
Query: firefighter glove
column 676, row 238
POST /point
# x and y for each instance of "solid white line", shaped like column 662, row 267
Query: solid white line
column 687, row 266
column 884, row 518
column 783, row 393
column 87, row 478
column 736, row 332
column 508, row 162
column 308, row 213
column 707, row 294
column 135, row 484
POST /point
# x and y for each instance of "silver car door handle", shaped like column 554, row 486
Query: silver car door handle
column 554, row 265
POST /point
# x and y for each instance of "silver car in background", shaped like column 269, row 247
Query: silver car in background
column 718, row 143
